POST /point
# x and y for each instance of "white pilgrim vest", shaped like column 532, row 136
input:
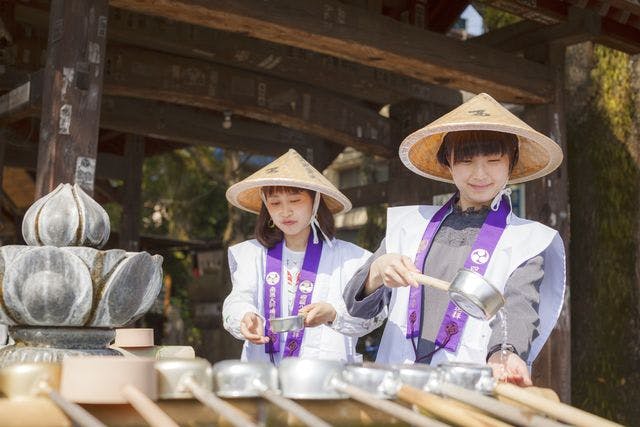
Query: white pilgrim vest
column 521, row 240
column 247, row 262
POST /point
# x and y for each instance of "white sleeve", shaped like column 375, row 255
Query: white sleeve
column 344, row 323
column 243, row 297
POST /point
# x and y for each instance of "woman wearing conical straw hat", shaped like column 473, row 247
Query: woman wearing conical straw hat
column 480, row 147
column 293, row 266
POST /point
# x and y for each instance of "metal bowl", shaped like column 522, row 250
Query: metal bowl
column 381, row 381
column 22, row 380
column 419, row 375
column 173, row 373
column 468, row 375
column 233, row 378
column 286, row 324
column 475, row 295
column 309, row 379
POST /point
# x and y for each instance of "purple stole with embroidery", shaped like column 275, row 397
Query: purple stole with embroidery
column 455, row 319
column 304, row 293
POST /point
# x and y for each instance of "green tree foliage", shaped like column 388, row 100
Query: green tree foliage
column 604, row 195
column 183, row 198
column 183, row 193
column 494, row 18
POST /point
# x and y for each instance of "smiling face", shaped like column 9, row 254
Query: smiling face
column 480, row 162
column 290, row 211
column 479, row 178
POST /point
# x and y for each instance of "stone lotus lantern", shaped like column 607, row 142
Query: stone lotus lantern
column 61, row 295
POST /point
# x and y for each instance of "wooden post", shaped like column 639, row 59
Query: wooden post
column 71, row 94
column 405, row 187
column 547, row 201
column 3, row 144
column 131, row 205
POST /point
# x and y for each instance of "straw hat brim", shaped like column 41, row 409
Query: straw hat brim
column 246, row 194
column 538, row 156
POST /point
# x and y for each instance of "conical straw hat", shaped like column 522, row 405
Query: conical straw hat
column 538, row 154
column 288, row 170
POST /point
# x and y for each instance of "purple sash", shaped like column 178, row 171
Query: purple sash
column 272, row 295
column 455, row 319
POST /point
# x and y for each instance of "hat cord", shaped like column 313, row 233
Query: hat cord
column 505, row 191
column 314, row 222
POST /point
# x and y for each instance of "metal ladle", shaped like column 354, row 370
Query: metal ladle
column 192, row 378
column 233, row 378
column 324, row 379
column 470, row 291
column 34, row 379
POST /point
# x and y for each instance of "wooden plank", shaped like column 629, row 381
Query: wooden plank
column 150, row 75
column 132, row 203
column 336, row 29
column 71, row 94
column 291, row 63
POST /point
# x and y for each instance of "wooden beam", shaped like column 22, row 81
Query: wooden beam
column 108, row 165
column 442, row 14
column 582, row 25
column 291, row 63
column 3, row 146
column 132, row 203
column 188, row 125
column 23, row 101
column 622, row 35
column 138, row 73
column 194, row 126
column 548, row 202
column 72, row 89
column 287, row 62
column 336, row 29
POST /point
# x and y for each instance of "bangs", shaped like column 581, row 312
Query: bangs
column 464, row 145
column 282, row 189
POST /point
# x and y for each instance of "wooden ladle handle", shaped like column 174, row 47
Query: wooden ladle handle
column 423, row 279
column 447, row 410
column 147, row 408
column 558, row 410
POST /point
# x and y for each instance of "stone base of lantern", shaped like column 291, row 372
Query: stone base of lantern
column 52, row 344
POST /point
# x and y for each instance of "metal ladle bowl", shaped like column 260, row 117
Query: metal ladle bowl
column 470, row 291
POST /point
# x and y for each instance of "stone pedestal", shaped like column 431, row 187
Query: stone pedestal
column 61, row 296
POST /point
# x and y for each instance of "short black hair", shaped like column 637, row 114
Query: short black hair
column 466, row 144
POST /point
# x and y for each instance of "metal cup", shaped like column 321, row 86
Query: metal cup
column 475, row 295
column 286, row 324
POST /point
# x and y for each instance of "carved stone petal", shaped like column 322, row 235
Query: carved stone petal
column 47, row 286
column 155, row 285
column 7, row 253
column 59, row 219
column 100, row 263
column 29, row 222
column 127, row 290
column 96, row 227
